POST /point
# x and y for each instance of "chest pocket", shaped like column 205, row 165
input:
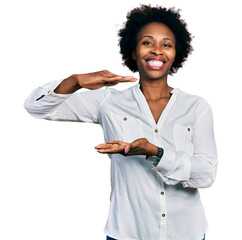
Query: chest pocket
column 182, row 136
column 131, row 128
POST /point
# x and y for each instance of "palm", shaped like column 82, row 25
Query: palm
column 100, row 79
column 140, row 146
column 112, row 147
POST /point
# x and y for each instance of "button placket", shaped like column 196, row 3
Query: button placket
column 162, row 204
column 163, row 214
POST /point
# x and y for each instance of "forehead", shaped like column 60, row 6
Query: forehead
column 156, row 29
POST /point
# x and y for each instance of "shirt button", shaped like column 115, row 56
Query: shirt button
column 156, row 130
column 125, row 119
column 163, row 215
column 162, row 193
column 49, row 92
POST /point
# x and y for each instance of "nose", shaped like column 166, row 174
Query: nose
column 157, row 51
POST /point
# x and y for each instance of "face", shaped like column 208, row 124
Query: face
column 155, row 51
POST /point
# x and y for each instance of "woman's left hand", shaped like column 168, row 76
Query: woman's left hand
column 140, row 146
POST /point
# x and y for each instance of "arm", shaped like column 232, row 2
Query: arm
column 59, row 100
column 198, row 170
column 140, row 146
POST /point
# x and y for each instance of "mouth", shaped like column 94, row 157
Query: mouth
column 155, row 63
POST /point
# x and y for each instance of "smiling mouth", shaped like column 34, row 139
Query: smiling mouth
column 155, row 64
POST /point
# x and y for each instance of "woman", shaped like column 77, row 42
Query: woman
column 160, row 139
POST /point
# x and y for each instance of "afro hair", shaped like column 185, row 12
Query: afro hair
column 140, row 16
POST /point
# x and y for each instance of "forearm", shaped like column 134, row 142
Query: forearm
column 42, row 100
column 196, row 167
column 140, row 146
column 50, row 101
column 68, row 85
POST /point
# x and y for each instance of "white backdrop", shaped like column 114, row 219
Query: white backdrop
column 53, row 184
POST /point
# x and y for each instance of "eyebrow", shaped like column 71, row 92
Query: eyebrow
column 152, row 37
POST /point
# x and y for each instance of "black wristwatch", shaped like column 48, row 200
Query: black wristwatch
column 156, row 158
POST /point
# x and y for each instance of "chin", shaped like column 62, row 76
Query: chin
column 155, row 77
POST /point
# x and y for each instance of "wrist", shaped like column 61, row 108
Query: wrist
column 68, row 85
column 151, row 150
column 155, row 158
column 77, row 80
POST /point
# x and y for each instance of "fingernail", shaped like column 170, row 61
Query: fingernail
column 126, row 150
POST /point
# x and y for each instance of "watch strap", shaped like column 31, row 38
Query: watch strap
column 160, row 152
column 156, row 158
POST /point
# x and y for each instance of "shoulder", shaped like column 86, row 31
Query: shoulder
column 195, row 103
column 125, row 91
column 102, row 95
column 125, row 94
column 192, row 99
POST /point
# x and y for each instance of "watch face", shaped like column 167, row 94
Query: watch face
column 154, row 159
column 160, row 152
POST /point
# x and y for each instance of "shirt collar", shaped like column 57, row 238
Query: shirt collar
column 174, row 90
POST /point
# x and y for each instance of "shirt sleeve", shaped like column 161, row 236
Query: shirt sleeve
column 197, row 170
column 44, row 103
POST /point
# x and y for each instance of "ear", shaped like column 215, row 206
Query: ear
column 134, row 55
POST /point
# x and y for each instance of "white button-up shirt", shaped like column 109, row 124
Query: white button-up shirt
column 147, row 202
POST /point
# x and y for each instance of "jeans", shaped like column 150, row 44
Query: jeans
column 109, row 238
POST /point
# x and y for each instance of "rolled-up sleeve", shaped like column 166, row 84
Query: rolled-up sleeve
column 44, row 103
column 196, row 170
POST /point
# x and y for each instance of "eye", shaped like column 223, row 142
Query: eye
column 146, row 43
column 167, row 45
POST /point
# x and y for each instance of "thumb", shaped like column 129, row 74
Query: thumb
column 127, row 148
column 135, row 144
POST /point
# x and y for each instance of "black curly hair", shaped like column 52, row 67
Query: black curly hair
column 140, row 16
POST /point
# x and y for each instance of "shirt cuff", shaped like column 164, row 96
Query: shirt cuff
column 166, row 163
column 174, row 167
column 48, row 90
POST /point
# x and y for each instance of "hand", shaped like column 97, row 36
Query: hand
column 140, row 146
column 100, row 79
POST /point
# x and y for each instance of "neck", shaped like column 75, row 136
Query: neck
column 155, row 89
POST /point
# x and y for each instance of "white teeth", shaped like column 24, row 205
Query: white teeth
column 155, row 63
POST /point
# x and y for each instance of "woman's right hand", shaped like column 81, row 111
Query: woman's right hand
column 91, row 81
column 100, row 79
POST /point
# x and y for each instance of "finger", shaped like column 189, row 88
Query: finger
column 104, row 151
column 131, row 146
column 127, row 148
column 109, row 84
column 99, row 144
column 128, row 79
column 107, row 74
column 112, row 81
column 123, row 79
column 102, row 146
column 135, row 144
column 110, row 74
column 111, row 150
column 118, row 142
column 109, row 80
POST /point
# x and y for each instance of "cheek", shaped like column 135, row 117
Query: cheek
column 172, row 55
column 141, row 51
